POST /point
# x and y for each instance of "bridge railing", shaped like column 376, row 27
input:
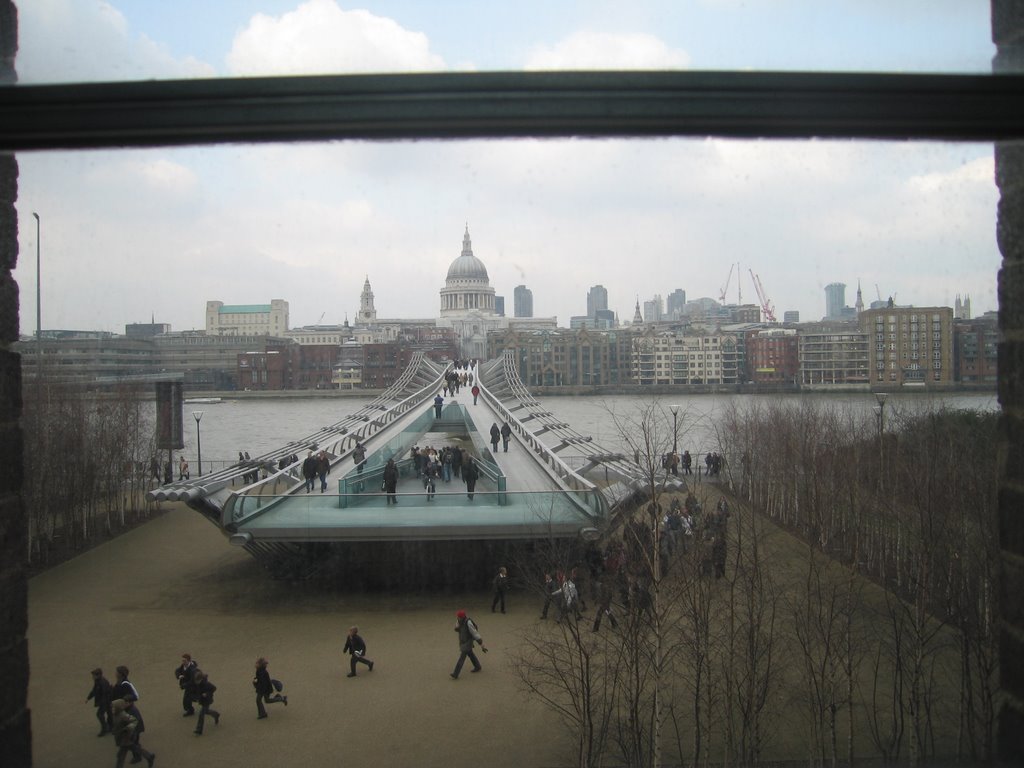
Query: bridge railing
column 374, row 417
column 588, row 494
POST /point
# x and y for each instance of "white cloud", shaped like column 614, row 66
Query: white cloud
column 319, row 37
column 66, row 40
column 603, row 50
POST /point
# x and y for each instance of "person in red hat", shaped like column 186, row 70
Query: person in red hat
column 468, row 634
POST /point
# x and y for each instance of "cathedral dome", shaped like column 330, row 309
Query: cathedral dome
column 467, row 266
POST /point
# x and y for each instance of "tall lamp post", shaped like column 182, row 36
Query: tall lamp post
column 39, row 315
column 675, row 428
column 198, row 415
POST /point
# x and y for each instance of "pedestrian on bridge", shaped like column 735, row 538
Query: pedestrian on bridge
column 506, row 433
column 495, row 436
column 391, row 481
column 359, row 457
column 470, row 474
column 438, row 402
column 323, row 466
column 476, row 393
column 309, row 471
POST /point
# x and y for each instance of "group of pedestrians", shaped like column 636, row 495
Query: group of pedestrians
column 316, row 466
column 118, row 713
column 503, row 434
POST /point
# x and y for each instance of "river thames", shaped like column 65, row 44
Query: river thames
column 261, row 425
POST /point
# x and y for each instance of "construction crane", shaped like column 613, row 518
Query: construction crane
column 739, row 287
column 725, row 288
column 767, row 308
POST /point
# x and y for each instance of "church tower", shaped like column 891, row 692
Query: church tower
column 367, row 314
column 637, row 317
column 859, row 306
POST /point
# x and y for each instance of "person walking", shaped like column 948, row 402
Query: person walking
column 476, row 393
column 470, row 474
column 356, row 646
column 495, row 436
column 182, row 468
column 551, row 592
column 101, row 699
column 468, row 634
column 186, row 674
column 309, row 471
column 359, row 457
column 500, row 587
column 123, row 687
column 438, row 402
column 266, row 691
column 506, row 433
column 204, row 695
column 391, row 481
column 124, row 728
column 323, row 466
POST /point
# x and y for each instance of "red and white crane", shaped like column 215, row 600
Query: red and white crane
column 767, row 308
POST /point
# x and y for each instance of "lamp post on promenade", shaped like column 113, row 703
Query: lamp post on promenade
column 675, row 428
column 39, row 315
column 198, row 415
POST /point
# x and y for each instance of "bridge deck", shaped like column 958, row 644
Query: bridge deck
column 531, row 504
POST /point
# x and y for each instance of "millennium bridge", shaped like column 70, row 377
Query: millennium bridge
column 524, row 496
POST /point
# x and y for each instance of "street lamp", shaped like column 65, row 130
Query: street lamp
column 198, row 415
column 39, row 314
column 675, row 428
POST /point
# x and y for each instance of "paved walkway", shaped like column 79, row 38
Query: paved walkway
column 176, row 585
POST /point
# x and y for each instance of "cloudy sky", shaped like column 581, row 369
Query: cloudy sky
column 133, row 235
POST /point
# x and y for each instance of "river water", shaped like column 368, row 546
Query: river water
column 259, row 426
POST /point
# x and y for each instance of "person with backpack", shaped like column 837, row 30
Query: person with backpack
column 468, row 635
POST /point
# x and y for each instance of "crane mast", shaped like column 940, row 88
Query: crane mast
column 767, row 308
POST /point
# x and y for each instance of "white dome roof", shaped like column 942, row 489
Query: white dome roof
column 467, row 266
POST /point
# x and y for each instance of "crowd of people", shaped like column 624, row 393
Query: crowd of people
column 675, row 463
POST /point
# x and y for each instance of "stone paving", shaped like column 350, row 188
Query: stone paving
column 176, row 585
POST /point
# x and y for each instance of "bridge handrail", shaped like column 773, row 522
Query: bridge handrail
column 339, row 452
column 579, row 485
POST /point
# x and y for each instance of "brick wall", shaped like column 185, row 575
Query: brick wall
column 15, row 734
column 1008, row 34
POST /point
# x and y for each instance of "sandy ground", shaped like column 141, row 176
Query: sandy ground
column 176, row 585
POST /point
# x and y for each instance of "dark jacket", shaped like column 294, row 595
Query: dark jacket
column 261, row 682
column 309, row 467
column 101, row 692
column 390, row 476
column 470, row 472
column 355, row 645
column 204, row 693
column 186, row 675
column 495, row 434
column 506, row 431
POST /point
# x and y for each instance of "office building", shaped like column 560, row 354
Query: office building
column 522, row 300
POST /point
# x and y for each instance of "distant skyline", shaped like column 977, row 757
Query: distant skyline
column 133, row 235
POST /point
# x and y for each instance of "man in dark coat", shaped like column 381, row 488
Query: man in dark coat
column 506, row 433
column 101, row 698
column 391, row 481
column 204, row 695
column 186, row 673
column 438, row 402
column 265, row 689
column 495, row 436
column 470, row 474
column 309, row 471
column 355, row 645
